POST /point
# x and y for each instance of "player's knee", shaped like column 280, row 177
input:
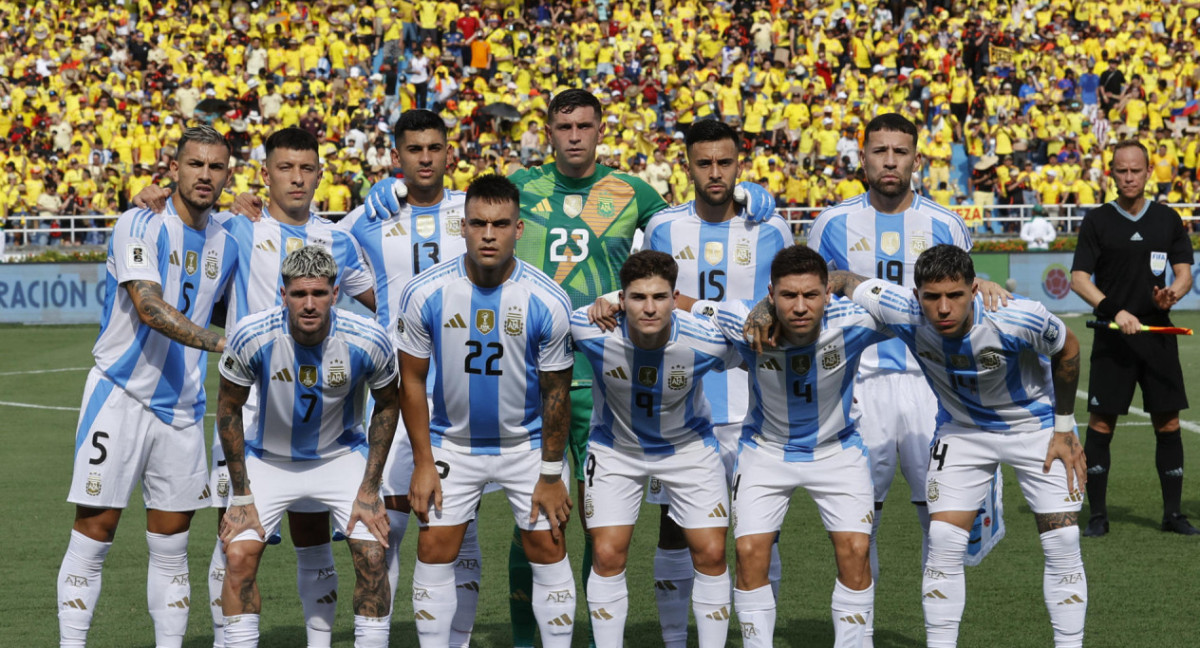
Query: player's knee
column 608, row 559
column 708, row 554
column 753, row 554
column 97, row 524
column 1102, row 423
column 241, row 561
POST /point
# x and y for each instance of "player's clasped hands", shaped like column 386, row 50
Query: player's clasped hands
column 1065, row 447
column 550, row 496
column 238, row 519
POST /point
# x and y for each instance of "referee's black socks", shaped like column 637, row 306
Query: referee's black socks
column 1096, row 447
column 1168, row 458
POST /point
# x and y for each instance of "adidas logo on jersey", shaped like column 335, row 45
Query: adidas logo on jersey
column 1137, row 236
column 686, row 254
column 719, row 615
column 543, row 207
column 1072, row 601
column 174, row 257
column 863, row 245
column 267, row 246
column 396, row 230
column 854, row 619
column 205, row 493
column 719, row 512
column 618, row 373
column 869, row 518
column 455, row 322
column 770, row 365
column 282, row 375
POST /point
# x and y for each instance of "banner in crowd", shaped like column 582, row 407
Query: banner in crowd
column 1001, row 55
column 971, row 214
column 1046, row 277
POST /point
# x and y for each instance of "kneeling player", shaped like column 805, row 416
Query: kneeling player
column 310, row 363
column 799, row 433
column 996, row 376
column 501, row 418
column 652, row 419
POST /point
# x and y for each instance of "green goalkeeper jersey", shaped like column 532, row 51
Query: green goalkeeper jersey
column 579, row 230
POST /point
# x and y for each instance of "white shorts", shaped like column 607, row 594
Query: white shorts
column 218, row 476
column 729, row 437
column 120, row 442
column 692, row 480
column 964, row 460
column 840, row 485
column 322, row 484
column 898, row 416
column 464, row 477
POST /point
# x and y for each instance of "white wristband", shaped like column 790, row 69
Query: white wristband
column 241, row 500
column 552, row 468
column 1064, row 423
column 612, row 297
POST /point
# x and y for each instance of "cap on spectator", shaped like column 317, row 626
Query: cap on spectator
column 603, row 150
column 464, row 165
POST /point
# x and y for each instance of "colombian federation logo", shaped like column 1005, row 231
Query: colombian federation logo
column 485, row 320
column 742, row 255
column 831, row 359
column 1056, row 281
column 714, row 251
column 931, row 491
column 191, row 262
column 292, row 244
column 212, row 265
column 92, row 487
column 514, row 322
column 573, row 205
column 989, row 359
column 648, row 376
column 308, row 375
column 677, row 378
column 917, row 244
column 801, row 363
column 426, row 226
column 337, row 374
column 889, row 242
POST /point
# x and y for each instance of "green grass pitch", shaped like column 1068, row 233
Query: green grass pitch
column 1143, row 584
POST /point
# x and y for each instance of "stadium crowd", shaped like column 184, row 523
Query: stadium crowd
column 1019, row 101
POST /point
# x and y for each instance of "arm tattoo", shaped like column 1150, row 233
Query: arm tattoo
column 762, row 315
column 844, row 283
column 372, row 595
column 233, row 439
column 1051, row 521
column 1065, row 371
column 556, row 412
column 380, row 434
column 166, row 319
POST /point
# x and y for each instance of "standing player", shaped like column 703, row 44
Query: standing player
column 506, row 324
column 653, row 420
column 800, row 432
column 311, row 363
column 143, row 405
column 1128, row 244
column 881, row 233
column 1005, row 383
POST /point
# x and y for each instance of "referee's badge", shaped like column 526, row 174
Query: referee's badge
column 742, row 255
column 714, row 251
column 308, row 375
column 191, row 262
column 485, row 320
column 1158, row 263
column 648, row 376
column 573, row 205
column 889, row 242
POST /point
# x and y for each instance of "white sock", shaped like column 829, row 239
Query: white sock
column 673, row 592
column 711, row 603
column 608, row 603
column 923, row 516
column 756, row 614
column 433, row 602
column 554, row 602
column 79, row 587
column 371, row 632
column 467, row 573
column 944, row 586
column 241, row 631
column 875, row 547
column 317, row 582
column 397, row 524
column 168, row 591
column 775, row 569
column 216, row 581
column 852, row 611
column 1064, row 585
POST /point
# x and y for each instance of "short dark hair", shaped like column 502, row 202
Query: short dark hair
column 942, row 262
column 492, row 188
column 798, row 260
column 1132, row 143
column 649, row 263
column 292, row 139
column 710, row 130
column 412, row 121
column 891, row 122
column 568, row 100
column 202, row 135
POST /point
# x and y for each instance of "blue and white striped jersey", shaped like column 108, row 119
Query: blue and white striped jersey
column 263, row 246
column 193, row 267
column 651, row 401
column 408, row 243
column 310, row 400
column 995, row 378
column 489, row 345
column 719, row 261
column 854, row 236
column 800, row 397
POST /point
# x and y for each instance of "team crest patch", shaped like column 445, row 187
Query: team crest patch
column 714, row 251
column 989, row 359
column 1051, row 332
column 573, row 205
column 742, row 255
column 589, row 509
column 959, row 361
column 426, row 226
column 931, row 491
column 655, row 485
column 1158, row 263
column 229, row 362
column 677, row 378
column 889, row 242
column 191, row 262
column 831, row 359
column 400, row 325
column 606, row 207
column 917, row 244
column 135, row 256
column 337, row 374
column 308, row 375
column 485, row 320
column 648, row 376
column 454, row 224
column 514, row 322
column 223, row 486
column 292, row 244
column 92, row 487
column 212, row 265
column 801, row 363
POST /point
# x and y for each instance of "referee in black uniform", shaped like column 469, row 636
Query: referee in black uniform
column 1128, row 245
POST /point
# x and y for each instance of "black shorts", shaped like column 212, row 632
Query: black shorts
column 1119, row 362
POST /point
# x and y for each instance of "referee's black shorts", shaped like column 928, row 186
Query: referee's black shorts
column 1119, row 362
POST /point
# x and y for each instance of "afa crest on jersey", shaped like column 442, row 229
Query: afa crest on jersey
column 889, row 242
column 677, row 378
column 989, row 359
column 606, row 207
column 337, row 374
column 917, row 244
column 191, row 262
column 308, row 375
column 514, row 322
column 453, row 223
column 485, row 320
column 831, row 359
column 648, row 376
column 212, row 265
column 92, row 487
column 801, row 363
column 742, row 254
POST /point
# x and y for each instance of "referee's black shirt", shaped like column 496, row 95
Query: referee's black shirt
column 1118, row 251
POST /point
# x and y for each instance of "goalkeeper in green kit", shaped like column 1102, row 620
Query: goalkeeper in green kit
column 580, row 221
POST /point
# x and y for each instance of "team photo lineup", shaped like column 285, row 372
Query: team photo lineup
column 539, row 315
